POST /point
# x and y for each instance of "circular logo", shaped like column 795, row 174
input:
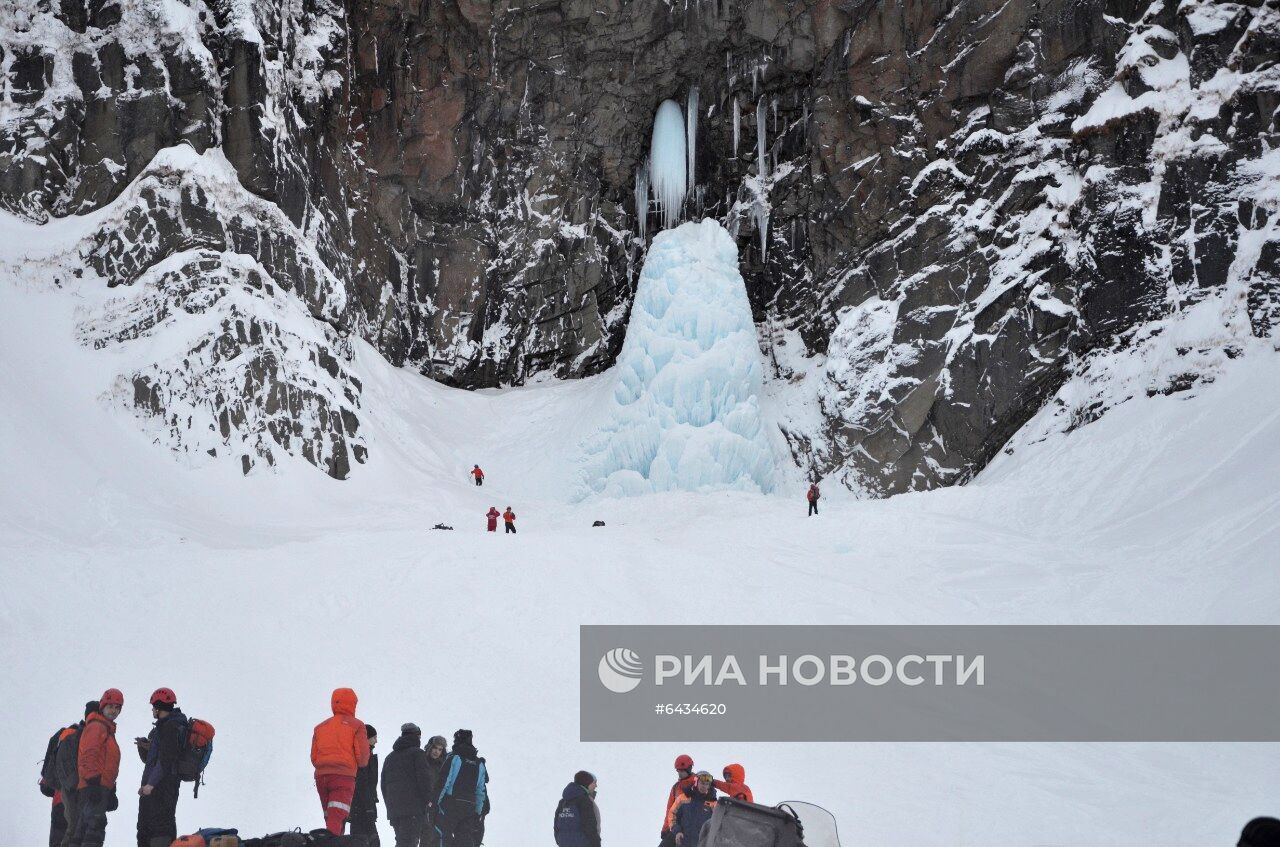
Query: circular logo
column 620, row 670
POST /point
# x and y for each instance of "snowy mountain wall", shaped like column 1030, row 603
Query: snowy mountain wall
column 945, row 211
column 686, row 396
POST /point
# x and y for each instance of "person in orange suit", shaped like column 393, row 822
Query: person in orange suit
column 478, row 474
column 339, row 748
column 493, row 514
column 509, row 518
column 98, row 767
column 734, row 783
column 684, row 779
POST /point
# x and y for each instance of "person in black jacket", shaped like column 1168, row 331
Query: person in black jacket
column 464, row 797
column 577, row 821
column 364, row 802
column 407, row 787
column 159, row 751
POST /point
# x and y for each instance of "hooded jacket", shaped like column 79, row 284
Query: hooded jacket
column 736, row 785
column 691, row 811
column 339, row 745
column 406, row 779
column 99, row 753
column 677, row 791
column 577, row 820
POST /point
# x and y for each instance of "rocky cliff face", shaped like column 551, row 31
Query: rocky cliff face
column 944, row 209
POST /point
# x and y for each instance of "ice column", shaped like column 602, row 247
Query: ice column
column 760, row 208
column 668, row 166
column 691, row 133
column 684, row 412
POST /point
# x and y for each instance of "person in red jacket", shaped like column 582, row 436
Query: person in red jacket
column 734, row 783
column 509, row 518
column 98, row 765
column 684, row 779
column 813, row 496
column 339, row 748
column 493, row 514
column 478, row 474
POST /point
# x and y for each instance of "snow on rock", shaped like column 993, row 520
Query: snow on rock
column 668, row 166
column 685, row 413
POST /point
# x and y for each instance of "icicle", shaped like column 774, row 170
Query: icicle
column 668, row 163
column 760, row 208
column 642, row 197
column 737, row 120
column 762, row 166
column 691, row 133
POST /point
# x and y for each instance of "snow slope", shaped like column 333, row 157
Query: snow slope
column 254, row 596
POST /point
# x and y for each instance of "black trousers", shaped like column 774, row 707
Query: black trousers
column 479, row 480
column 460, row 830
column 366, row 824
column 411, row 831
column 511, row 526
column 57, row 825
column 158, row 816
column 71, row 810
column 91, row 830
column 813, row 507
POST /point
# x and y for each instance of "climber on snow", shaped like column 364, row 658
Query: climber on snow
column 812, row 497
column 493, row 514
column 159, row 752
column 577, row 820
column 684, row 779
column 509, row 518
column 339, row 749
column 98, row 764
column 693, row 808
column 478, row 474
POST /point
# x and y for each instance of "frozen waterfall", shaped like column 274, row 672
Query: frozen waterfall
column 667, row 162
column 684, row 413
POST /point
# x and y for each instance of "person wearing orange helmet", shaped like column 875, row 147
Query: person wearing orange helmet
column 684, row 779
column 159, row 752
column 98, row 765
column 339, row 748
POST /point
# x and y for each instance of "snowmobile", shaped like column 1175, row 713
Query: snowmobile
column 737, row 823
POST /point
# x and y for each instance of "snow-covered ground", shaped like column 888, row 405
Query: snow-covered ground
column 254, row 596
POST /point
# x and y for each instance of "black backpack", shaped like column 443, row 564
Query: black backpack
column 67, row 766
column 49, row 767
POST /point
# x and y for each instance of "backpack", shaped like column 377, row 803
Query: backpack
column 49, row 768
column 67, row 760
column 568, row 821
column 197, row 749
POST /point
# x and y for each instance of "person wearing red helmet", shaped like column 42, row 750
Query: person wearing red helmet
column 99, row 767
column 159, row 752
column 684, row 779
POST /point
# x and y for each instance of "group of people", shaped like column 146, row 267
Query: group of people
column 692, row 800
column 433, row 798
column 82, row 764
column 491, row 516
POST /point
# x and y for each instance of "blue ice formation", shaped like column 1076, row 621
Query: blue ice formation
column 684, row 412
column 668, row 175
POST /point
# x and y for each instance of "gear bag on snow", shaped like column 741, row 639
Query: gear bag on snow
column 197, row 748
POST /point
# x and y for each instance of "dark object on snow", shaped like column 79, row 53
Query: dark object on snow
column 441, row 526
column 1260, row 832
column 736, row 823
column 598, row 523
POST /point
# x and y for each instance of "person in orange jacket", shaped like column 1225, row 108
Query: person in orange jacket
column 509, row 518
column 734, row 783
column 339, row 748
column 493, row 514
column 98, row 765
column 478, row 474
column 684, row 779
